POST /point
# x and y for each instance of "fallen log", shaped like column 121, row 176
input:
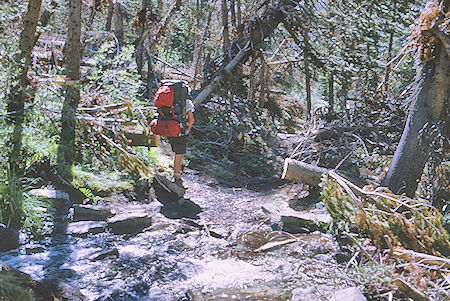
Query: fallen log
column 410, row 291
column 140, row 138
column 423, row 258
column 104, row 108
column 259, row 28
column 302, row 172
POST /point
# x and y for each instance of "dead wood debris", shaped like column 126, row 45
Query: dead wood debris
column 403, row 232
column 118, row 133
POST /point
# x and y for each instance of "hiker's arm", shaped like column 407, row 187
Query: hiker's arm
column 190, row 116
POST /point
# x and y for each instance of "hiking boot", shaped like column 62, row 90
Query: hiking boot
column 169, row 185
column 179, row 182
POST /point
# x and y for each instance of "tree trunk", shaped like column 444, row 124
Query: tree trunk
column 272, row 16
column 66, row 147
column 388, row 67
column 431, row 94
column 233, row 14
column 307, row 74
column 343, row 94
column 262, row 82
column 302, row 172
column 225, row 30
column 152, row 80
column 109, row 17
column 18, row 94
column 305, row 47
column 198, row 57
column 252, row 83
column 118, row 24
column 330, row 94
column 140, row 45
column 197, row 46
column 238, row 13
column 164, row 24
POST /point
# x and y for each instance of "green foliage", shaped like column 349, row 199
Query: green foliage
column 372, row 276
column 102, row 184
column 12, row 290
column 149, row 154
column 11, row 196
column 339, row 205
column 38, row 216
column 18, row 209
column 114, row 75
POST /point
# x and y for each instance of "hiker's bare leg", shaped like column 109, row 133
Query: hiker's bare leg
column 177, row 162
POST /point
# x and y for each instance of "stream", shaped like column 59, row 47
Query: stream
column 202, row 247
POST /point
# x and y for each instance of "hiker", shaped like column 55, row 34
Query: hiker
column 178, row 144
column 174, row 108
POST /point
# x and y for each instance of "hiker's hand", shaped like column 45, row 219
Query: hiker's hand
column 186, row 132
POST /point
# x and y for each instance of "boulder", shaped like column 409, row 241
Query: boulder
column 348, row 294
column 131, row 223
column 90, row 213
column 83, row 228
column 9, row 238
column 104, row 254
column 296, row 222
column 50, row 193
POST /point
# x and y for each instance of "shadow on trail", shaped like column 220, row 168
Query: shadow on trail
column 175, row 207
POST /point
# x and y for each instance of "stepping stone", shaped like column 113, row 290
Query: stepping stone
column 90, row 213
column 83, row 228
column 169, row 185
column 131, row 223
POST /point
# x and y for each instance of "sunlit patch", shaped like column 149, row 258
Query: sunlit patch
column 218, row 273
column 134, row 251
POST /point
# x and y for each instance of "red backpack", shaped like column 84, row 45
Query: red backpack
column 170, row 99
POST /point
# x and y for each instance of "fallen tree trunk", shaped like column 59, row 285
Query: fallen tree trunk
column 259, row 28
column 140, row 138
column 302, row 172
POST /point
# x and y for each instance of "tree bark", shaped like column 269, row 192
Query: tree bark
column 431, row 94
column 252, row 84
column 388, row 66
column 330, row 94
column 238, row 13
column 18, row 94
column 109, row 17
column 233, row 14
column 262, row 82
column 225, row 30
column 197, row 38
column 140, row 46
column 198, row 56
column 118, row 24
column 302, row 172
column 66, row 147
column 307, row 73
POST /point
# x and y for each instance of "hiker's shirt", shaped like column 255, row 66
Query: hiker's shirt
column 189, row 106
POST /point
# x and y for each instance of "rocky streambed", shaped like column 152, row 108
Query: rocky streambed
column 218, row 243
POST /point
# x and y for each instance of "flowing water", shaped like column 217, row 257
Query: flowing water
column 188, row 253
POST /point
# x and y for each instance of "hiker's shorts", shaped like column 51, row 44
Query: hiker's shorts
column 178, row 144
